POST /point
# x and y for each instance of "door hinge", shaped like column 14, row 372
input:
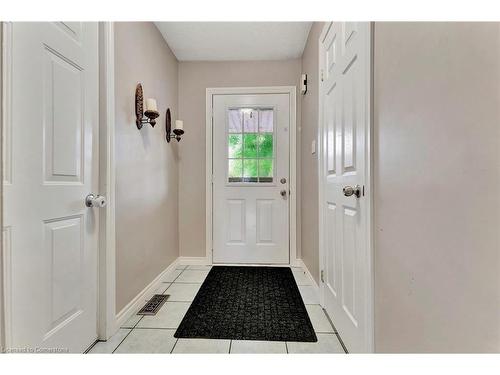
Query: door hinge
column 322, row 276
column 322, row 75
column 363, row 190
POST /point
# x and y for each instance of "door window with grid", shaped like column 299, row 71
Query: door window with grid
column 250, row 145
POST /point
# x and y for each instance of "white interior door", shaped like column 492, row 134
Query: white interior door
column 344, row 92
column 51, row 236
column 251, row 178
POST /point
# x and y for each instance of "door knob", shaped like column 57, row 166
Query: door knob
column 95, row 200
column 283, row 193
column 349, row 190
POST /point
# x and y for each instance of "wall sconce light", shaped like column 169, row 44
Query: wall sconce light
column 151, row 112
column 178, row 130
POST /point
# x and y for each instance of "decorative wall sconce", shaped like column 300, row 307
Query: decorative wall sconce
column 178, row 130
column 151, row 112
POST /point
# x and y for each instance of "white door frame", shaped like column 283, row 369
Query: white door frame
column 210, row 92
column 106, row 307
column 368, row 187
column 4, row 87
column 106, row 314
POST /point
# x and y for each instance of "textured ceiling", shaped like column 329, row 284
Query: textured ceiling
column 217, row 41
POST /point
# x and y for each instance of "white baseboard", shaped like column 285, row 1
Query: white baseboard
column 315, row 286
column 194, row 261
column 133, row 306
column 296, row 263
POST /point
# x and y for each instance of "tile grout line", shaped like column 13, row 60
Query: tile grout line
column 135, row 325
column 92, row 346
column 164, row 328
column 230, row 344
column 115, row 349
column 329, row 320
column 130, row 331
column 173, row 347
column 184, row 282
column 342, row 343
column 336, row 333
column 173, row 281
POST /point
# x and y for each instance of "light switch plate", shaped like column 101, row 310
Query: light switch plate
column 313, row 147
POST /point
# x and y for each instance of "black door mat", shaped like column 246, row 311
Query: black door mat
column 248, row 303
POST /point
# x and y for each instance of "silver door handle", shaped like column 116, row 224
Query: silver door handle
column 95, row 200
column 349, row 190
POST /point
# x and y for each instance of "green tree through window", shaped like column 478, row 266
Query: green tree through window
column 250, row 145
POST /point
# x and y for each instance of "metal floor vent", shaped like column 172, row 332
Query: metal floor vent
column 153, row 305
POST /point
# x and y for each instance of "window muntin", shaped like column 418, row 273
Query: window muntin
column 250, row 145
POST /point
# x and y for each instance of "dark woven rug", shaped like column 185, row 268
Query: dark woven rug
column 248, row 303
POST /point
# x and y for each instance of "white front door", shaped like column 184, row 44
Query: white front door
column 251, row 178
column 50, row 235
column 344, row 92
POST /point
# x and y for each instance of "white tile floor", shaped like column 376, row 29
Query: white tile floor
column 155, row 334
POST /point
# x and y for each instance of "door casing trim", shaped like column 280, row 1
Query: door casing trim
column 370, row 340
column 293, row 210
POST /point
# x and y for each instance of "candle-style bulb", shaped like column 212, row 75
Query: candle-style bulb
column 151, row 105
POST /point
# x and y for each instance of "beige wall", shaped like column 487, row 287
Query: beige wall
column 436, row 186
column 194, row 78
column 146, row 166
column 309, row 162
column 2, row 321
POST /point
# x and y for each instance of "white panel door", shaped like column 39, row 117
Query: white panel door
column 53, row 147
column 344, row 92
column 251, row 178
